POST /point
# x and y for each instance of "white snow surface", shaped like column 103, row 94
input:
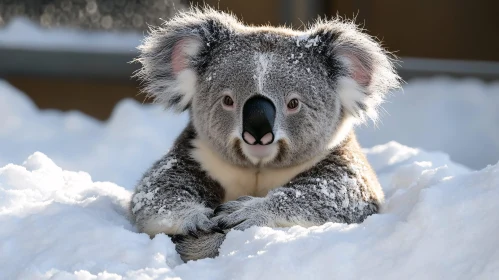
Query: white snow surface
column 21, row 33
column 457, row 116
column 439, row 221
column 119, row 150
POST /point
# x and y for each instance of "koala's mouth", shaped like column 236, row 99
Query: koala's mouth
column 261, row 154
column 260, row 151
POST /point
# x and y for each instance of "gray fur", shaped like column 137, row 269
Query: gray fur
column 172, row 186
column 338, row 73
column 204, row 245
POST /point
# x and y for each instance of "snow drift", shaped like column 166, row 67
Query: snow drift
column 457, row 116
column 440, row 221
column 119, row 150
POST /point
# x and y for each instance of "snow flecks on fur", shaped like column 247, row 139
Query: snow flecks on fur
column 312, row 42
column 142, row 199
column 145, row 194
column 307, row 42
column 158, row 172
column 263, row 63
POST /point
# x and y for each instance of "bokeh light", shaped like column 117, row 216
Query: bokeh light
column 92, row 14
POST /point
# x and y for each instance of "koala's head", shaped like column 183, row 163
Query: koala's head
column 266, row 96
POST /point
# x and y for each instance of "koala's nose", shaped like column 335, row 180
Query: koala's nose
column 258, row 121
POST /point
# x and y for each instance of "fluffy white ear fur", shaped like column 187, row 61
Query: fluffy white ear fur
column 370, row 76
column 167, row 71
column 363, row 89
column 353, row 99
column 369, row 73
column 186, row 78
column 171, row 53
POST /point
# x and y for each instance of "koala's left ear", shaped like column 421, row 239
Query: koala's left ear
column 174, row 54
column 362, row 69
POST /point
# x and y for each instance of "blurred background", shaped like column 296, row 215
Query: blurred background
column 73, row 56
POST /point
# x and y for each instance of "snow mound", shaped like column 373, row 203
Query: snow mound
column 439, row 222
column 54, row 221
column 456, row 116
column 118, row 150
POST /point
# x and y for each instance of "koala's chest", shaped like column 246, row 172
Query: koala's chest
column 238, row 181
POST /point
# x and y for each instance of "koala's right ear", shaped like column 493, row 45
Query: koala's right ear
column 174, row 54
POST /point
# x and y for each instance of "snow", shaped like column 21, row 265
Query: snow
column 457, row 116
column 439, row 221
column 119, row 150
column 21, row 33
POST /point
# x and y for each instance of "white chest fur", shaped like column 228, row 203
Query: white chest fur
column 239, row 181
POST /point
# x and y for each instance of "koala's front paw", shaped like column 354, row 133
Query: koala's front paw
column 243, row 213
column 205, row 245
column 197, row 219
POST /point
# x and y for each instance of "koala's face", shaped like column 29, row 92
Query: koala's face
column 262, row 104
column 264, row 96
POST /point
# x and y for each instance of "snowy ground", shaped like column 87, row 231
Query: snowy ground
column 439, row 222
column 440, row 219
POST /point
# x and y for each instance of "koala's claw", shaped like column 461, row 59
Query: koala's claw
column 193, row 234
column 178, row 238
column 199, row 222
column 217, row 229
column 223, row 224
column 222, row 209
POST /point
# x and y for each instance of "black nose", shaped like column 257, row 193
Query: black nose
column 258, row 121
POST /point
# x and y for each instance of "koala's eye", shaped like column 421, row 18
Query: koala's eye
column 293, row 104
column 228, row 101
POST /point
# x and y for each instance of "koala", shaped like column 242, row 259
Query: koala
column 270, row 140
